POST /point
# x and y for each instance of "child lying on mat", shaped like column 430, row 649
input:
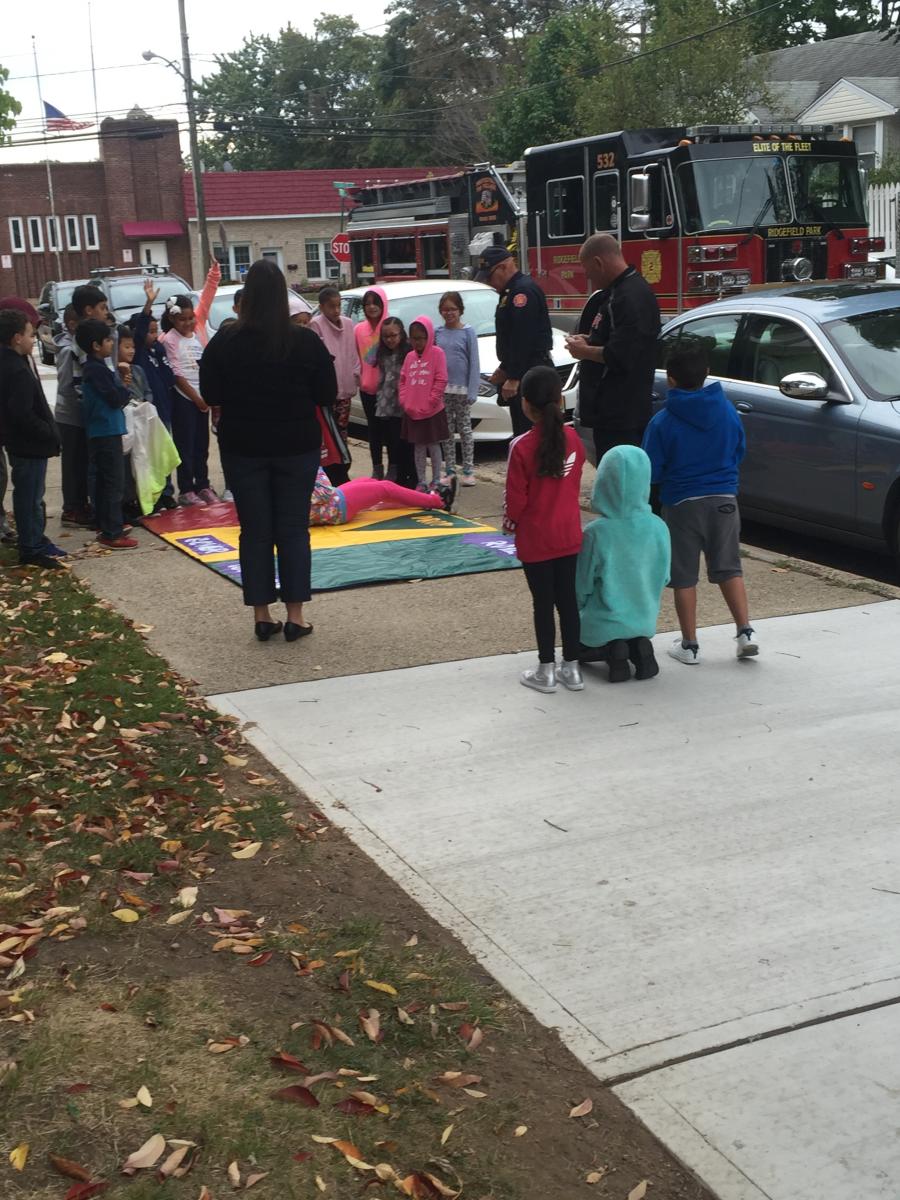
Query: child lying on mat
column 338, row 505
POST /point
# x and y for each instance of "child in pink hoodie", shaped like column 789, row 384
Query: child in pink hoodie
column 368, row 336
column 423, row 379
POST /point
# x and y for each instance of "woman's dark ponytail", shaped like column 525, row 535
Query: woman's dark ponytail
column 542, row 388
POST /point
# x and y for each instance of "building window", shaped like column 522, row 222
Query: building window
column 91, row 236
column 36, row 233
column 233, row 262
column 866, row 139
column 54, row 234
column 320, row 263
column 73, row 237
column 17, row 235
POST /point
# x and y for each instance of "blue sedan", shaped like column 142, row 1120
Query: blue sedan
column 814, row 372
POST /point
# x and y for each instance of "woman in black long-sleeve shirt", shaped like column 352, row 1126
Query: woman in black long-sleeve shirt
column 267, row 376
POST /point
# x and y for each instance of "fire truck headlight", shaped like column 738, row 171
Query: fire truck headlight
column 799, row 269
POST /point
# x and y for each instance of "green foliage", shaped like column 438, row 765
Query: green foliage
column 808, row 21
column 9, row 107
column 887, row 171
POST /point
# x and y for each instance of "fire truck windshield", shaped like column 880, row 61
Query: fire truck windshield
column 730, row 193
column 827, row 189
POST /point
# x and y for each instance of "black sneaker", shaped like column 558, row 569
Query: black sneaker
column 44, row 561
column 617, row 658
column 640, row 651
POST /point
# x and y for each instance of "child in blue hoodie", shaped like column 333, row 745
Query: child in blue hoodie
column 622, row 568
column 696, row 444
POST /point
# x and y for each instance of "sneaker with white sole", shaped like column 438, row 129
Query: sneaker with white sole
column 208, row 496
column 468, row 479
column 746, row 646
column 542, row 679
column 690, row 655
column 189, row 499
column 569, row 675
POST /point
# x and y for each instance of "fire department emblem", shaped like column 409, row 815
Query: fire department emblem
column 651, row 266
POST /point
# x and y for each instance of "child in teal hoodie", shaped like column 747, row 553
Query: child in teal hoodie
column 623, row 568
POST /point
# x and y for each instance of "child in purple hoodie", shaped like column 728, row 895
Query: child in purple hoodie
column 423, row 379
column 336, row 331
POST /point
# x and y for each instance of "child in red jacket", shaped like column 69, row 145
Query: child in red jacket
column 543, row 479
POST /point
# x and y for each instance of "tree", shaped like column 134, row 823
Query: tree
column 811, row 21
column 9, row 108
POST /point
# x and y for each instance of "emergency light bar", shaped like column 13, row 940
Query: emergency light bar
column 709, row 133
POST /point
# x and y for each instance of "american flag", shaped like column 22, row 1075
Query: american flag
column 57, row 121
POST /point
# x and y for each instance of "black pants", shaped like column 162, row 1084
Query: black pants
column 272, row 496
column 552, row 585
column 190, row 432
column 605, row 439
column 108, row 461
column 376, row 429
column 74, row 461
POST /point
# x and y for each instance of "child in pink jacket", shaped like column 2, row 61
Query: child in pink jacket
column 423, row 379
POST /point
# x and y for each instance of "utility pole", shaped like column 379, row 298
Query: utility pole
column 196, row 169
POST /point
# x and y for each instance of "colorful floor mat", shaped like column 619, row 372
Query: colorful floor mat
column 380, row 546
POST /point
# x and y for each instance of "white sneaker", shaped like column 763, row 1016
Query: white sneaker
column 569, row 674
column 746, row 646
column 543, row 679
column 690, row 655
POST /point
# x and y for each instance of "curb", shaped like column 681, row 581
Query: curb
column 832, row 575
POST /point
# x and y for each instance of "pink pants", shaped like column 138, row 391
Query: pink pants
column 360, row 494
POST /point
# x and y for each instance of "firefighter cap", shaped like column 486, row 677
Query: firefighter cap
column 492, row 257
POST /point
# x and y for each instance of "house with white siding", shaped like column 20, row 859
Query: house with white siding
column 852, row 83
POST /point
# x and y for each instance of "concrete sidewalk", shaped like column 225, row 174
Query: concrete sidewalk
column 676, row 874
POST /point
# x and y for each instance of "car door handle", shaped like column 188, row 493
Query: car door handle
column 743, row 406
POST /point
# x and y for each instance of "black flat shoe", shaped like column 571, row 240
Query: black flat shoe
column 265, row 629
column 293, row 631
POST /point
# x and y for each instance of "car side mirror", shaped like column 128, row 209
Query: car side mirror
column 804, row 385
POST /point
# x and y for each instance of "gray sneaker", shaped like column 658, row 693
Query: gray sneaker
column 543, row 679
column 569, row 675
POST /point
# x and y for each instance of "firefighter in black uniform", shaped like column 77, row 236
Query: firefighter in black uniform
column 522, row 323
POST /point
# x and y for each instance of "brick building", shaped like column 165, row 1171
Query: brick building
column 288, row 216
column 64, row 220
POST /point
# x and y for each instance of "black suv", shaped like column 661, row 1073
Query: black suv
column 51, row 305
column 124, row 289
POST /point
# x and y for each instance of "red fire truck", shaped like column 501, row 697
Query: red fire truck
column 701, row 212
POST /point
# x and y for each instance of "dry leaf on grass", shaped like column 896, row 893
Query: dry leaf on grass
column 639, row 1192
column 297, row 1094
column 71, row 1170
column 287, row 1062
column 146, row 1156
column 85, row 1191
column 173, row 1162
column 446, row 1134
column 248, row 851
column 143, row 1097
column 595, row 1176
column 19, row 1156
column 177, row 918
column 370, row 1023
column 520, row 1131
column 234, row 1174
column 381, row 987
column 252, row 1179
column 582, row 1109
column 126, row 915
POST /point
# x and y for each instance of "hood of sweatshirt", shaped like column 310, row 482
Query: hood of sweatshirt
column 702, row 408
column 367, row 338
column 428, row 326
column 622, row 486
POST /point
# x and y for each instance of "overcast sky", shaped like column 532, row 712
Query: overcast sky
column 121, row 33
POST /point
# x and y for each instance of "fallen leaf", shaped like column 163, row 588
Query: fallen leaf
column 56, row 657
column 251, row 1179
column 301, row 1156
column 381, row 987
column 297, row 1094
column 520, row 1131
column 234, row 1175
column 446, row 1134
column 234, row 760
column 454, row 1005
column 260, row 960
column 146, row 1155
column 187, row 897
column 413, row 941
column 126, row 915
column 582, row 1109
column 173, row 1162
column 131, row 1102
column 370, row 1023
column 19, row 1156
column 287, row 1062
column 355, row 1108
column 321, row 1184
column 471, row 1035
column 403, row 1017
column 595, row 1176
column 457, row 1079
column 639, row 1192
column 71, row 1170
column 248, row 851
column 143, row 1097
column 77, row 1088
column 99, row 724
column 84, row 1191
column 177, row 918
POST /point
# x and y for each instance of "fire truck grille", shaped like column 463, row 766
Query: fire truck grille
column 779, row 250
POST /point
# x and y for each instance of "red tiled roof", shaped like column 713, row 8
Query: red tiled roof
column 288, row 193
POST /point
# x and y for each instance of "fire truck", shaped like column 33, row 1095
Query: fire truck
column 701, row 212
column 436, row 227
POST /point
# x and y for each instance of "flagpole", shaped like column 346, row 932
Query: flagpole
column 57, row 230
column 93, row 68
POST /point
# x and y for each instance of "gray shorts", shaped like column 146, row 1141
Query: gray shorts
column 711, row 524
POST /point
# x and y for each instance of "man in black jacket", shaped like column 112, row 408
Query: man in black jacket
column 30, row 436
column 616, row 345
column 522, row 323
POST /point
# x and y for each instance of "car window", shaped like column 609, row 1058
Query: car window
column 716, row 335
column 870, row 343
column 128, row 296
column 776, row 347
column 353, row 308
column 221, row 307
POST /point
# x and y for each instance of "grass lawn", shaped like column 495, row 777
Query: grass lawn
column 205, row 988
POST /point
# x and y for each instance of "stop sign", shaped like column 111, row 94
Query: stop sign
column 340, row 247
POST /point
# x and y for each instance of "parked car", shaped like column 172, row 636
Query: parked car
column 889, row 258
column 419, row 297
column 124, row 289
column 222, row 306
column 815, row 374
column 54, row 297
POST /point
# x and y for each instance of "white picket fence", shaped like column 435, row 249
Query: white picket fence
column 883, row 213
